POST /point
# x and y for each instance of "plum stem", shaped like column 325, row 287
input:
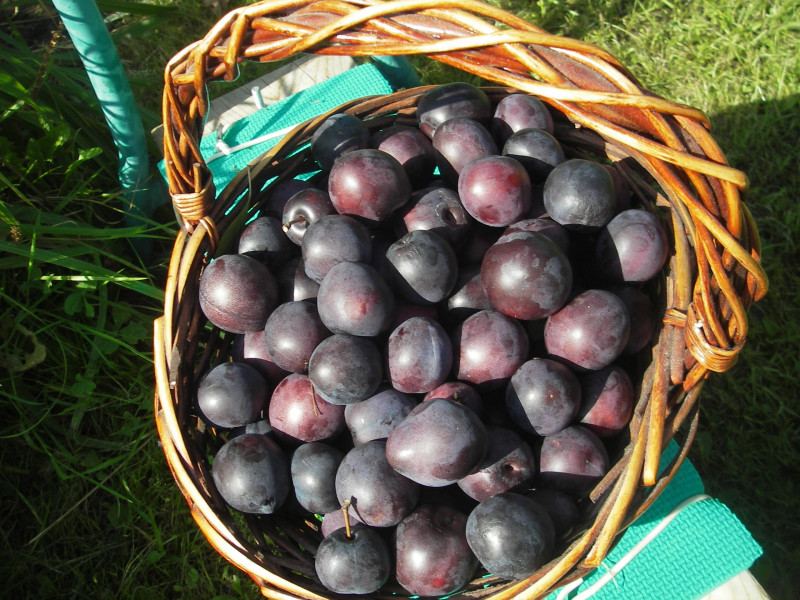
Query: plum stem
column 287, row 226
column 346, row 515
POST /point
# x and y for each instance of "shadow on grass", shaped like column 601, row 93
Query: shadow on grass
column 748, row 447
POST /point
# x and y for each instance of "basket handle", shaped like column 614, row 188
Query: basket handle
column 585, row 83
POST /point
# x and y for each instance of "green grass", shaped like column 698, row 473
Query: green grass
column 90, row 509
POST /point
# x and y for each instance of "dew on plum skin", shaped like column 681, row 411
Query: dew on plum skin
column 432, row 554
column 376, row 417
column 292, row 332
column 495, row 190
column 251, row 473
column 359, row 564
column 378, row 494
column 297, row 412
column 438, row 443
column 590, row 332
column 543, row 396
column 450, row 101
column 368, row 183
column 237, row 293
column 572, row 460
column 419, row 355
column 232, row 394
column 487, row 348
column 511, row 535
column 353, row 298
column 313, row 468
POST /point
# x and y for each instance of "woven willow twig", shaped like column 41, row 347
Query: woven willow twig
column 664, row 149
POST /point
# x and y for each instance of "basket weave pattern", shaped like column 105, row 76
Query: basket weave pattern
column 663, row 149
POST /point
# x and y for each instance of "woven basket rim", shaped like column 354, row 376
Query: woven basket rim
column 715, row 271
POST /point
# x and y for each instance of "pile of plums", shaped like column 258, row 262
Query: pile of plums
column 432, row 335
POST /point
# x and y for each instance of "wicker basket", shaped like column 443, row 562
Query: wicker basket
column 663, row 149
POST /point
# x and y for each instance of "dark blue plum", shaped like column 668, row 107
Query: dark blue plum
column 251, row 473
column 419, row 355
column 511, row 535
column 359, row 564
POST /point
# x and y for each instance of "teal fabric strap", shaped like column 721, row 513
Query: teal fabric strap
column 363, row 80
column 702, row 547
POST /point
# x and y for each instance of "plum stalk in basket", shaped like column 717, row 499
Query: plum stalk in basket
column 511, row 535
column 438, row 443
column 237, row 293
column 377, row 493
column 368, row 183
column 298, row 413
column 232, row 394
column 432, row 554
column 302, row 209
column 354, row 564
column 251, row 473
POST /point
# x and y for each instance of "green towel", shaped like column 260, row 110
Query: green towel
column 703, row 547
